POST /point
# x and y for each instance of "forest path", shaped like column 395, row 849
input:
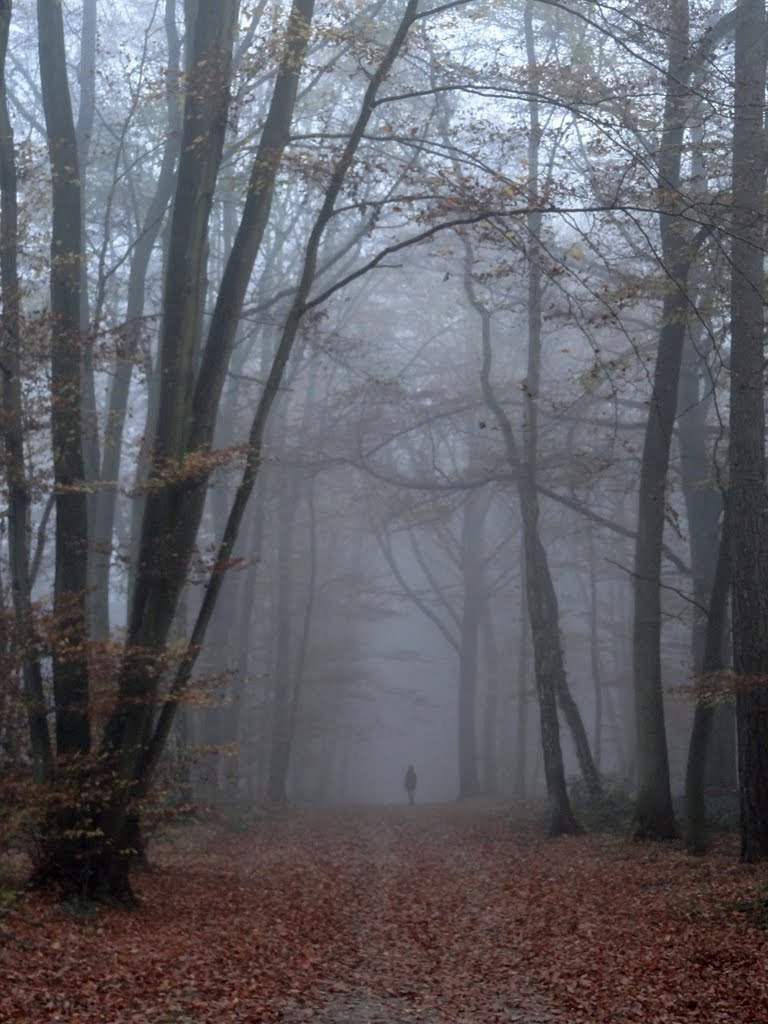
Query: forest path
column 416, row 918
column 425, row 915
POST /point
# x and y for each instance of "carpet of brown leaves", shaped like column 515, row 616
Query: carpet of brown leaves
column 430, row 915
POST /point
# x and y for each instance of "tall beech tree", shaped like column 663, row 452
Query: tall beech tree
column 654, row 817
column 746, row 451
column 70, row 665
column 19, row 496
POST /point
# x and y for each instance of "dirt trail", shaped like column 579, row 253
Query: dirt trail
column 367, row 1010
column 417, row 923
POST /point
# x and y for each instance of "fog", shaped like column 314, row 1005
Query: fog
column 361, row 401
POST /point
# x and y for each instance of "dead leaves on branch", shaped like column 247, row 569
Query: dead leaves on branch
column 190, row 470
column 444, row 914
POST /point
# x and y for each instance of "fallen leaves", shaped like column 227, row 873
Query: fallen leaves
column 441, row 914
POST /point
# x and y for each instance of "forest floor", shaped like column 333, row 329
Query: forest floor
column 425, row 915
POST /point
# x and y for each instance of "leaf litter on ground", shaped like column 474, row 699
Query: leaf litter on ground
column 430, row 915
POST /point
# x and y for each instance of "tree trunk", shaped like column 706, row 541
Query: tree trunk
column 654, row 817
column 711, row 581
column 747, row 491
column 280, row 752
column 469, row 645
column 491, row 710
column 70, row 666
column 97, row 602
column 520, row 787
column 710, row 665
column 594, row 651
column 19, row 500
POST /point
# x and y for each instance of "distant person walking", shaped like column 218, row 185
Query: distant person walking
column 410, row 783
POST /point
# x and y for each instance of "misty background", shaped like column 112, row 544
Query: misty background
column 493, row 266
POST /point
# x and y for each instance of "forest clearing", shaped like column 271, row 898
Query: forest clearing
column 433, row 914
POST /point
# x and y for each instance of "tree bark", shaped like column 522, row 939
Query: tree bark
column 520, row 787
column 747, row 492
column 97, row 603
column 19, row 500
column 710, row 665
column 711, row 580
column 491, row 710
column 469, row 643
column 280, row 751
column 654, row 817
column 594, row 651
column 70, row 666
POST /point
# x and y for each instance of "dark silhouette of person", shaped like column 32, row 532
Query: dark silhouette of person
column 410, row 783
